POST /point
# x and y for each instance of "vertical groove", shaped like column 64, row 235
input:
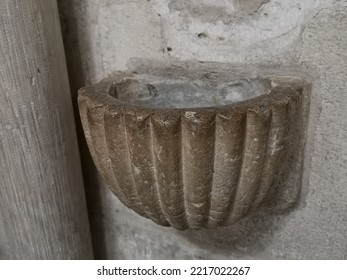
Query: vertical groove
column 229, row 135
column 234, row 194
column 130, row 167
column 181, row 171
column 166, row 156
column 257, row 129
column 154, row 168
column 286, row 185
column 276, row 138
column 115, row 137
column 82, row 104
column 96, row 124
column 212, row 189
column 198, row 142
column 139, row 147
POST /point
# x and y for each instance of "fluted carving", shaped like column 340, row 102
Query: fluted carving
column 194, row 167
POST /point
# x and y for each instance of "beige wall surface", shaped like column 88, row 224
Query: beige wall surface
column 101, row 36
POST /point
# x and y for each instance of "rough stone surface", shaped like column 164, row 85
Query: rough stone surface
column 202, row 166
column 100, row 39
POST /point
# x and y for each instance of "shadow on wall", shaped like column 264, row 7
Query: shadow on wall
column 67, row 11
column 241, row 237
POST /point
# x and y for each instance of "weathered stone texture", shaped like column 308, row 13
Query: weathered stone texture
column 100, row 39
column 201, row 166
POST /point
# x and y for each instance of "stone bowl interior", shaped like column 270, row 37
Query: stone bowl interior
column 183, row 93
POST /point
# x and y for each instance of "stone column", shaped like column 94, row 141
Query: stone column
column 42, row 200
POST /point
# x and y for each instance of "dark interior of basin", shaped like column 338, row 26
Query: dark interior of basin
column 187, row 94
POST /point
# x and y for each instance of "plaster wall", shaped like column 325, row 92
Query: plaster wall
column 101, row 36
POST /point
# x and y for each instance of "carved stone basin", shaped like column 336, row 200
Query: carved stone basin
column 195, row 145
